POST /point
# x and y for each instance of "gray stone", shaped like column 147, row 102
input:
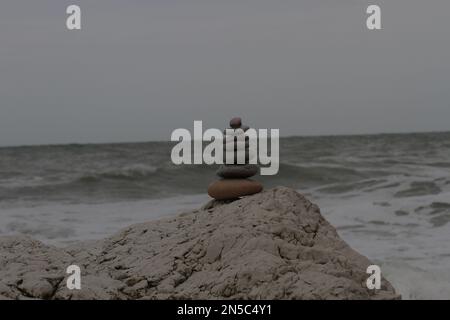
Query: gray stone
column 237, row 171
column 247, row 158
column 228, row 139
column 235, row 145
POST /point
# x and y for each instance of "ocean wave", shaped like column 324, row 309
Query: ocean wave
column 334, row 165
column 144, row 181
column 439, row 164
column 126, row 173
column 419, row 188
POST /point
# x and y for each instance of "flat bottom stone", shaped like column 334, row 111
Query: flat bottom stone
column 237, row 171
column 233, row 188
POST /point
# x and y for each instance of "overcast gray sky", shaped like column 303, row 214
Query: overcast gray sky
column 139, row 69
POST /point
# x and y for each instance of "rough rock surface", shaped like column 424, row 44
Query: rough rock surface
column 272, row 245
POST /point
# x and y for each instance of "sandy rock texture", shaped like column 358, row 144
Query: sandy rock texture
column 272, row 245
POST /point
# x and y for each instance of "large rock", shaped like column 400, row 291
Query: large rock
column 272, row 245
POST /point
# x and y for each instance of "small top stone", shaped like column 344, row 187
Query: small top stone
column 236, row 122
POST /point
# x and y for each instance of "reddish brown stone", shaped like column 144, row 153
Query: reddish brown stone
column 236, row 122
column 233, row 188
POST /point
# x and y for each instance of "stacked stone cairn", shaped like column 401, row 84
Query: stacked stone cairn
column 234, row 174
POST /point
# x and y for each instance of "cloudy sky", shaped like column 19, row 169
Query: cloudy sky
column 139, row 69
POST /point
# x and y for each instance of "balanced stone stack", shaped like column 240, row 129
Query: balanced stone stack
column 235, row 182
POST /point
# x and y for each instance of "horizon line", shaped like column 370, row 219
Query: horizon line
column 165, row 141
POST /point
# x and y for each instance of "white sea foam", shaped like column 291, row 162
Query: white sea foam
column 413, row 252
column 60, row 224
